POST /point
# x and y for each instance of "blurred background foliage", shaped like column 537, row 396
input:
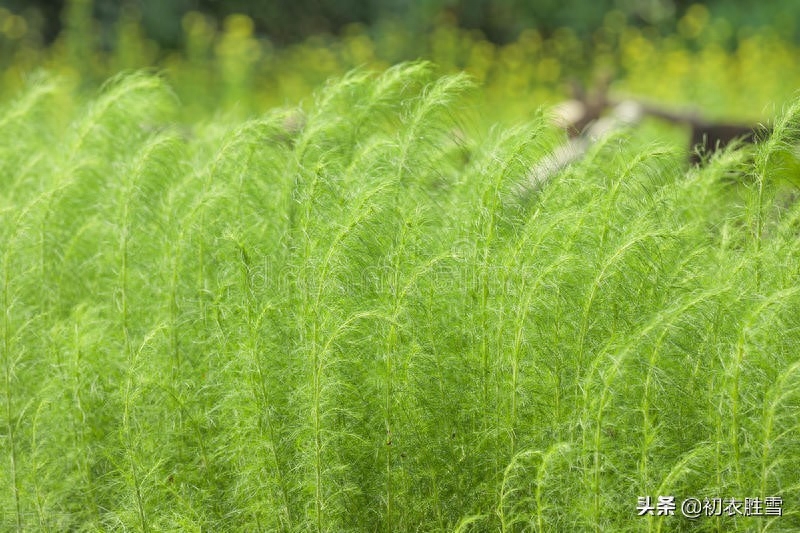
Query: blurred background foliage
column 731, row 59
column 286, row 21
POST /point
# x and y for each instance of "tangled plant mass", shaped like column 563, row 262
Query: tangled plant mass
column 354, row 321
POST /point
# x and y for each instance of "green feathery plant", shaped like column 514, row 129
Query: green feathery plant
column 361, row 315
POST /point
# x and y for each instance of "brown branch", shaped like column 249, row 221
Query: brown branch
column 706, row 136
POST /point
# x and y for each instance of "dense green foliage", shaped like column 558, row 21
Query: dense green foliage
column 724, row 70
column 285, row 21
column 361, row 315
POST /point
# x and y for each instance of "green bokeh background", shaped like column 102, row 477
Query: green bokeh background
column 287, row 21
